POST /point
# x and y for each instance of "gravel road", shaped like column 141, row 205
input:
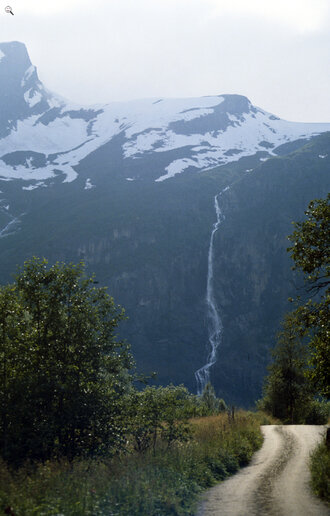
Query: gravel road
column 276, row 483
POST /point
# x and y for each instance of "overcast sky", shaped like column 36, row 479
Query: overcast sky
column 276, row 52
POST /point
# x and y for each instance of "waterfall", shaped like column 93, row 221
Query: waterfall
column 214, row 320
column 10, row 228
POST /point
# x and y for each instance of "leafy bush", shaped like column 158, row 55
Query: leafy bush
column 264, row 418
column 158, row 413
column 318, row 413
column 161, row 484
column 208, row 404
column 320, row 471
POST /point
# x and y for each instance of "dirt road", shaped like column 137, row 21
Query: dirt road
column 276, row 483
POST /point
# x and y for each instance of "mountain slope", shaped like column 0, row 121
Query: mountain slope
column 89, row 183
column 253, row 275
column 149, row 243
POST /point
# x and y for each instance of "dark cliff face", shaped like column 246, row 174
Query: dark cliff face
column 253, row 274
column 148, row 242
column 21, row 92
column 15, row 62
column 154, row 260
column 219, row 120
column 161, row 279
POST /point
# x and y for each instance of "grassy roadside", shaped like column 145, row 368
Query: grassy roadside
column 320, row 472
column 165, row 483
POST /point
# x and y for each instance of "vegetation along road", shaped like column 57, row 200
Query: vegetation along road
column 276, row 483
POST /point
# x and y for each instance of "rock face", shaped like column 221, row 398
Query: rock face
column 22, row 94
column 253, row 274
column 116, row 186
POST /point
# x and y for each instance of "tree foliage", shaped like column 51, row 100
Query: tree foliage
column 159, row 414
column 311, row 253
column 63, row 372
column 287, row 394
column 209, row 403
column 65, row 384
column 311, row 244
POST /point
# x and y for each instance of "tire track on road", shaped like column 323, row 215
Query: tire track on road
column 263, row 498
column 276, row 483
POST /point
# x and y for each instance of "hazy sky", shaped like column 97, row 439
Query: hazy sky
column 276, row 52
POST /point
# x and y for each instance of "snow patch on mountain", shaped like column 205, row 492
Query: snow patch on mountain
column 34, row 186
column 176, row 167
column 88, row 184
column 196, row 133
column 28, row 73
column 32, row 97
column 146, row 130
column 244, row 138
column 61, row 135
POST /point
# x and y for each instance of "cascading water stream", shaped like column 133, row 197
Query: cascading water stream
column 9, row 228
column 215, row 324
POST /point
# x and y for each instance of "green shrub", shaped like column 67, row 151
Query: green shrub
column 318, row 413
column 209, row 403
column 166, row 481
column 157, row 413
column 320, row 471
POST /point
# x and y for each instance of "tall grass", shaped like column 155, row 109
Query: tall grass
column 320, row 471
column 165, row 483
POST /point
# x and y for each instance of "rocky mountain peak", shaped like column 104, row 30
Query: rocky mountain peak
column 236, row 104
column 21, row 92
column 14, row 61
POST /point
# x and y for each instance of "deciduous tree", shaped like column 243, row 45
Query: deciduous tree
column 311, row 254
column 63, row 369
column 287, row 394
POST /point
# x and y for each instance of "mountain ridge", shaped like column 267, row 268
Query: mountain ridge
column 43, row 136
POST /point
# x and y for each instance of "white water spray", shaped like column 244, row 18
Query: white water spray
column 215, row 324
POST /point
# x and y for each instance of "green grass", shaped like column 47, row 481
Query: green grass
column 320, row 470
column 167, row 483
